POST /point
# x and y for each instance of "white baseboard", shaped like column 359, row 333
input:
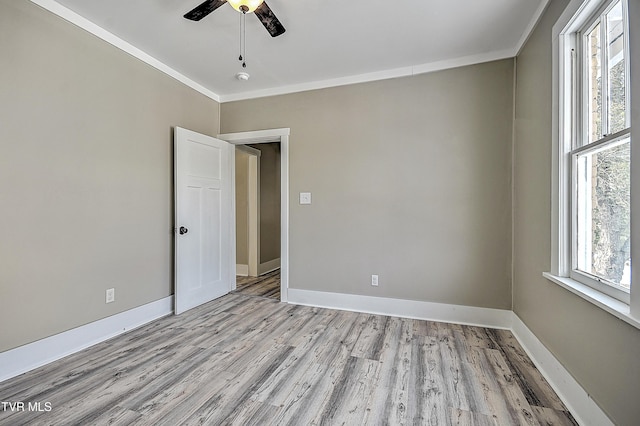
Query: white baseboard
column 458, row 314
column 582, row 407
column 242, row 270
column 33, row 355
column 269, row 266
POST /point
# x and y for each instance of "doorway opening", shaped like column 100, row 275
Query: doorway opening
column 257, row 191
column 261, row 249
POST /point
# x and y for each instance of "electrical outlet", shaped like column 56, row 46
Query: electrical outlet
column 111, row 295
column 374, row 280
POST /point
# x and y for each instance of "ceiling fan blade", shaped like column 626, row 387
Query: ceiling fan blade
column 204, row 9
column 269, row 20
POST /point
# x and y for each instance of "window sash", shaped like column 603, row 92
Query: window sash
column 579, row 142
column 580, row 84
column 605, row 286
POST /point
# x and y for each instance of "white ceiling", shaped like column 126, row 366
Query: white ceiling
column 327, row 42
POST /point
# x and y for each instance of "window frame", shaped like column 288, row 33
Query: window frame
column 578, row 17
column 580, row 138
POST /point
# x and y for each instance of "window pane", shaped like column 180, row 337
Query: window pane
column 603, row 210
column 616, row 69
column 594, row 84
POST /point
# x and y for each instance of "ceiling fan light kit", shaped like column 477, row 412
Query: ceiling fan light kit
column 245, row 6
column 262, row 11
column 260, row 7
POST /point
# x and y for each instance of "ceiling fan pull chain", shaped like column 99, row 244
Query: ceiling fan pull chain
column 244, row 37
column 240, row 49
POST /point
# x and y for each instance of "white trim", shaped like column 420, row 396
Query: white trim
column 582, row 407
column 28, row 357
column 442, row 312
column 263, row 136
column 242, row 270
column 85, row 24
column 233, row 282
column 562, row 271
column 253, row 206
column 284, row 220
column 249, row 150
column 81, row 22
column 531, row 26
column 614, row 306
column 560, row 160
column 373, row 76
column 33, row 355
column 633, row 8
column 269, row 266
column 256, row 136
column 575, row 12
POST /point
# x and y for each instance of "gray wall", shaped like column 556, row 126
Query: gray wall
column 411, row 180
column 600, row 351
column 85, row 175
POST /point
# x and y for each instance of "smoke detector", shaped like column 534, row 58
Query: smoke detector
column 242, row 76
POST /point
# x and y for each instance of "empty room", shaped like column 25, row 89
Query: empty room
column 305, row 212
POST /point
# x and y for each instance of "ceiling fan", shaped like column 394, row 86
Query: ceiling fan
column 260, row 7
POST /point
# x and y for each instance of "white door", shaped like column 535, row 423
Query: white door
column 202, row 178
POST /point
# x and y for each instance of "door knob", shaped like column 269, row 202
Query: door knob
column 183, row 230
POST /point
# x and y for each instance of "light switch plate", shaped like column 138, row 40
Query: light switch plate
column 305, row 198
column 110, row 295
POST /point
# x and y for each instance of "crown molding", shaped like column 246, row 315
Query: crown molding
column 531, row 26
column 374, row 76
column 81, row 22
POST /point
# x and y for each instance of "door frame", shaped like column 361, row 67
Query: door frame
column 253, row 207
column 264, row 136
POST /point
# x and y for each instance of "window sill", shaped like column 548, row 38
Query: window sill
column 613, row 306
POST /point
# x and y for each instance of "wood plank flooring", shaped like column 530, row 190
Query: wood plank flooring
column 267, row 285
column 243, row 360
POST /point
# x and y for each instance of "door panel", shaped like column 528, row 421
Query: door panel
column 203, row 212
column 212, row 226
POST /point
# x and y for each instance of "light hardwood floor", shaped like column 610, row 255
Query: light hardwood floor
column 255, row 361
column 267, row 285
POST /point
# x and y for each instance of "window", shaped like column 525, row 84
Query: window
column 592, row 139
column 600, row 153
